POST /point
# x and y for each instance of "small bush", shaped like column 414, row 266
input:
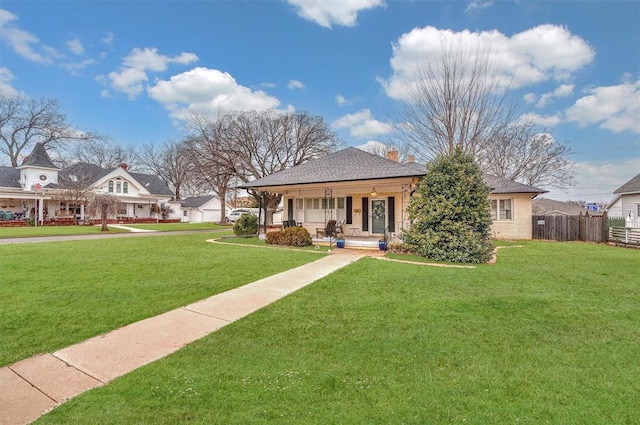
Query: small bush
column 275, row 238
column 291, row 236
column 398, row 248
column 247, row 224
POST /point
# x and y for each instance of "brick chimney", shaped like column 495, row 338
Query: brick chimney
column 124, row 166
column 411, row 159
column 392, row 155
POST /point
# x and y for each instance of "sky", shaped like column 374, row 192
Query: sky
column 132, row 70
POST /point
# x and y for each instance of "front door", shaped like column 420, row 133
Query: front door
column 378, row 215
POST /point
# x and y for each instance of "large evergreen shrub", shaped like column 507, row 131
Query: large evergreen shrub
column 247, row 224
column 450, row 212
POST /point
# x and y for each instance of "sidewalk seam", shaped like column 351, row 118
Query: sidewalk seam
column 30, row 383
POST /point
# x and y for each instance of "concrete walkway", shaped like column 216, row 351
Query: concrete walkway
column 31, row 387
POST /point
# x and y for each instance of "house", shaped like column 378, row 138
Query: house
column 33, row 190
column 371, row 194
column 626, row 202
column 544, row 206
column 203, row 209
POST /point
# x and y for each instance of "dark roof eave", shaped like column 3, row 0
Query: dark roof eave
column 249, row 186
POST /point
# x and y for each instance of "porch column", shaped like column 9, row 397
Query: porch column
column 81, row 211
column 41, row 210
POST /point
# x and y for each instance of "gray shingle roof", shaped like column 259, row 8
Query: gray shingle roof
column 9, row 177
column 542, row 206
column 152, row 183
column 196, row 201
column 349, row 164
column 83, row 172
column 631, row 186
column 353, row 164
column 39, row 157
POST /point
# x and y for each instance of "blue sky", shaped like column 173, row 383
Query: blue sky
column 132, row 69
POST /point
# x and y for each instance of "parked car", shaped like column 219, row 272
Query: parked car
column 237, row 213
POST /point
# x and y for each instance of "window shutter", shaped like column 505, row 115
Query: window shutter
column 391, row 213
column 349, row 210
column 365, row 214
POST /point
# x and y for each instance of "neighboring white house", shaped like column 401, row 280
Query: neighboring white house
column 627, row 202
column 203, row 209
column 32, row 190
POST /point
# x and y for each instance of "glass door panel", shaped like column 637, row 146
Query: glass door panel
column 378, row 215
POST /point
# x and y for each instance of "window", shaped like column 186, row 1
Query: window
column 118, row 187
column 125, row 187
column 110, row 186
column 318, row 209
column 501, row 209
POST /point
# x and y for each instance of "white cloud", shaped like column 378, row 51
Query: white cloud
column 295, row 84
column 477, row 5
column 362, row 124
column 530, row 97
column 340, row 99
column 328, row 12
column 22, row 42
column 133, row 72
column 375, row 147
column 75, row 46
column 74, row 67
column 108, row 39
column 596, row 181
column 6, row 89
column 616, row 108
column 542, row 53
column 208, row 89
column 546, row 121
column 563, row 90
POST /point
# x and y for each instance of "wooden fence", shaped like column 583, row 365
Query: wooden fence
column 570, row 228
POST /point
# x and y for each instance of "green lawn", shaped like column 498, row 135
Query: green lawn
column 58, row 293
column 27, row 232
column 23, row 232
column 550, row 334
column 170, row 227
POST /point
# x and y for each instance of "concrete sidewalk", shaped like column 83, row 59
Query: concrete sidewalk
column 31, row 387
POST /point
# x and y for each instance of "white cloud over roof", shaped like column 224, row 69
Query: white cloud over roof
column 208, row 89
column 362, row 124
column 326, row 13
column 133, row 72
column 542, row 53
column 615, row 108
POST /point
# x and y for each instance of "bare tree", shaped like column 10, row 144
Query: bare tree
column 103, row 154
column 103, row 205
column 25, row 122
column 170, row 161
column 76, row 185
column 455, row 103
column 529, row 155
column 246, row 146
column 251, row 145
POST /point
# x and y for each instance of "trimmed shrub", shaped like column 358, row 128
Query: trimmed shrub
column 398, row 248
column 291, row 236
column 247, row 224
column 275, row 238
